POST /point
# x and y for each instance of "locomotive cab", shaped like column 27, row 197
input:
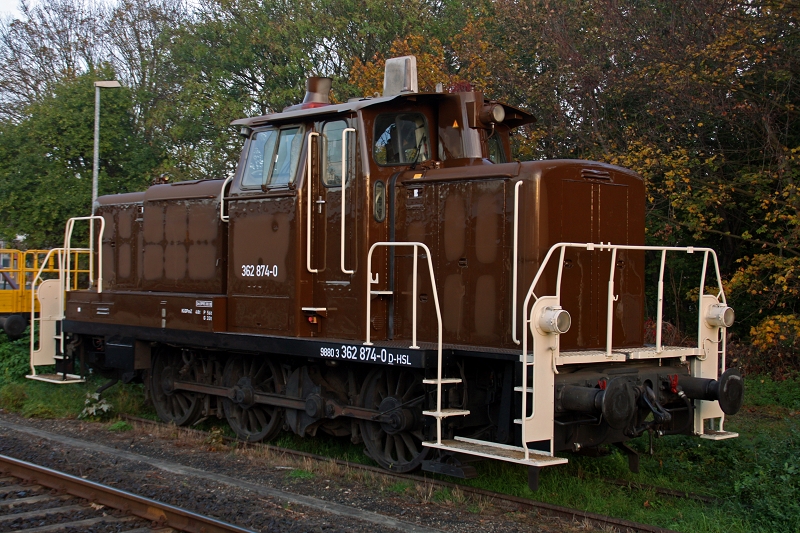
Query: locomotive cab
column 382, row 269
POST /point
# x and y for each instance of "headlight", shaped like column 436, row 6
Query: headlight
column 554, row 320
column 720, row 316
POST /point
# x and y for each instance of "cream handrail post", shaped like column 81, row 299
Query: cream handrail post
column 33, row 321
column 611, row 300
column 308, row 202
column 660, row 302
column 516, row 259
column 68, row 250
column 344, row 188
column 222, row 216
column 427, row 251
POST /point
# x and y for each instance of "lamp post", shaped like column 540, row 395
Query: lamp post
column 95, row 163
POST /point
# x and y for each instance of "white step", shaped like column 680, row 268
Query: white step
column 58, row 379
column 492, row 450
column 719, row 435
column 444, row 413
column 443, row 381
column 519, row 389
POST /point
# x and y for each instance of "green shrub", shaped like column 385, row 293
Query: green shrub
column 14, row 359
column 769, row 487
column 38, row 410
column 761, row 391
column 12, row 396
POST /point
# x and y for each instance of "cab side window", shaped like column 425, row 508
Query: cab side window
column 332, row 153
column 272, row 158
column 497, row 153
column 401, row 139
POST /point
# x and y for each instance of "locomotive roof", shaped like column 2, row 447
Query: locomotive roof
column 515, row 117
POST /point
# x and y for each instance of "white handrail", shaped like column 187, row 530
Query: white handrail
column 514, row 275
column 222, row 216
column 33, row 321
column 67, row 250
column 344, row 188
column 308, row 206
column 427, row 252
column 660, row 302
column 611, row 300
column 609, row 329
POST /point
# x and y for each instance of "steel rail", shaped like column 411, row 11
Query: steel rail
column 506, row 500
column 161, row 513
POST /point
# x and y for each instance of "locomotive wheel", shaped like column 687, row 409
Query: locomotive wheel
column 247, row 375
column 395, row 444
column 178, row 407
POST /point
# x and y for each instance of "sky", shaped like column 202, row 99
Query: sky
column 9, row 7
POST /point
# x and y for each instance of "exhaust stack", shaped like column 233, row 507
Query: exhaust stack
column 317, row 94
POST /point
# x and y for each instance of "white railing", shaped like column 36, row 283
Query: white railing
column 64, row 256
column 560, row 250
column 223, row 216
column 344, row 192
column 308, row 203
column 414, row 285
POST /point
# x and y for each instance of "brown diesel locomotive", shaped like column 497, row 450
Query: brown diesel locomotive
column 382, row 269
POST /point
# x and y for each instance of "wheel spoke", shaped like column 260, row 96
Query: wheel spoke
column 261, row 415
column 409, row 443
column 398, row 445
column 252, row 422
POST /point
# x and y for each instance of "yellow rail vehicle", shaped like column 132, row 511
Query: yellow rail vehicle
column 17, row 270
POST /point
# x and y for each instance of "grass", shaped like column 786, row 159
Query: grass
column 120, row 426
column 756, row 477
column 298, row 473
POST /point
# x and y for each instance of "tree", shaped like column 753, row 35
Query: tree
column 46, row 159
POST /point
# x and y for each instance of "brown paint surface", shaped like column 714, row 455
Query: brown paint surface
column 461, row 207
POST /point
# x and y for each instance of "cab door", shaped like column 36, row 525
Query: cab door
column 334, row 211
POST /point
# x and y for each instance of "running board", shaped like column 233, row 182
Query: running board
column 58, row 379
column 501, row 452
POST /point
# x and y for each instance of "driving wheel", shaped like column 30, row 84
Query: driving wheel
column 174, row 406
column 246, row 376
column 395, row 442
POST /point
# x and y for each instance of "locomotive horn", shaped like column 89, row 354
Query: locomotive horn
column 728, row 390
column 617, row 402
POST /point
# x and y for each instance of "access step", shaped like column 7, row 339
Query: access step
column 443, row 381
column 502, row 452
column 444, row 413
column 58, row 379
column 719, row 435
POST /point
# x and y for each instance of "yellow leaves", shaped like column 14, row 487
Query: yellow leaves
column 777, row 331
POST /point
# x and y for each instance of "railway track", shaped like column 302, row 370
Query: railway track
column 510, row 502
column 36, row 499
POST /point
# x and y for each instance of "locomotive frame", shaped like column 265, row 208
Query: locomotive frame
column 382, row 269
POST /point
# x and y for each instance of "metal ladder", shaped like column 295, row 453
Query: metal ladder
column 458, row 444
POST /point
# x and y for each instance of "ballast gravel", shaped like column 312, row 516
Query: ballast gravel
column 320, row 496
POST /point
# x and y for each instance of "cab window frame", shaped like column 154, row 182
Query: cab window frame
column 385, row 127
column 268, row 174
column 324, row 153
